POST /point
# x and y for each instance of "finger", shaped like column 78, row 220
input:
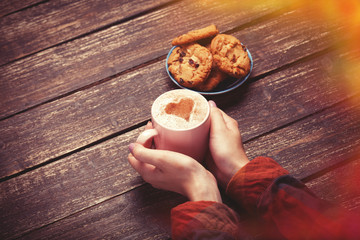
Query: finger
column 146, row 155
column 230, row 122
column 149, row 125
column 212, row 104
column 142, row 168
column 148, row 172
column 163, row 160
column 217, row 120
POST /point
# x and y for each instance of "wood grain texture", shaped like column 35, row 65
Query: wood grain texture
column 288, row 95
column 140, row 214
column 70, row 109
column 111, row 221
column 59, row 189
column 290, row 145
column 128, row 212
column 47, row 131
column 41, row 27
column 100, row 172
column 78, row 119
column 340, row 186
column 70, row 66
column 10, row 6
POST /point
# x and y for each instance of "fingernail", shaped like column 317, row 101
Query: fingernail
column 131, row 147
column 212, row 103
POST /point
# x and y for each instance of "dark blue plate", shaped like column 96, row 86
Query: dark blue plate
column 224, row 87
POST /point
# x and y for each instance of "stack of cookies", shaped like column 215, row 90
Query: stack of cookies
column 204, row 58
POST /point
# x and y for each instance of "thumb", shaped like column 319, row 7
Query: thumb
column 217, row 120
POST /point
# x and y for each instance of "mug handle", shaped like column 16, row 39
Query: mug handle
column 145, row 137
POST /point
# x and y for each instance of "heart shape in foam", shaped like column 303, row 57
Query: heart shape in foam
column 182, row 108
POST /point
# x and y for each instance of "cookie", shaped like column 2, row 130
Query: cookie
column 190, row 65
column 230, row 56
column 215, row 78
column 195, row 35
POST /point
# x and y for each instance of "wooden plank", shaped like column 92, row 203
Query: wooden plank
column 70, row 66
column 129, row 214
column 51, row 23
column 101, row 172
column 286, row 96
column 59, row 189
column 47, row 132
column 140, row 214
column 112, row 221
column 119, row 103
column 290, row 146
column 10, row 6
column 340, row 185
column 150, row 219
column 86, row 117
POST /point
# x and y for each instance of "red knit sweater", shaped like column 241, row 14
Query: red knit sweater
column 270, row 205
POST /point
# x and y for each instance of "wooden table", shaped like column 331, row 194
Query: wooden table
column 77, row 79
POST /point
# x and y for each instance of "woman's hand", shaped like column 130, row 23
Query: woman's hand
column 175, row 172
column 227, row 151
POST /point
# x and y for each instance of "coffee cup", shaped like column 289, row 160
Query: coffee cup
column 181, row 123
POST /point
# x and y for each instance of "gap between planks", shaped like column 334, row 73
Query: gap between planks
column 24, row 8
column 105, row 75
column 143, row 123
column 89, row 85
column 331, row 168
column 253, row 22
column 162, row 58
column 101, row 28
column 84, row 209
column 306, row 179
column 261, row 19
column 302, row 118
column 138, row 125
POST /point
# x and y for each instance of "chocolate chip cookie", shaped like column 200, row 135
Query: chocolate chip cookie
column 190, row 65
column 195, row 35
column 230, row 56
column 215, row 78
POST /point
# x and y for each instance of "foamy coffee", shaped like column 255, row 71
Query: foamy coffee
column 180, row 109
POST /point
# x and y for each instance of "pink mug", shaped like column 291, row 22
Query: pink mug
column 192, row 140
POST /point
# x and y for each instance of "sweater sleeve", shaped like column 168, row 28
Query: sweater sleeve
column 205, row 220
column 210, row 220
column 250, row 182
column 284, row 208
